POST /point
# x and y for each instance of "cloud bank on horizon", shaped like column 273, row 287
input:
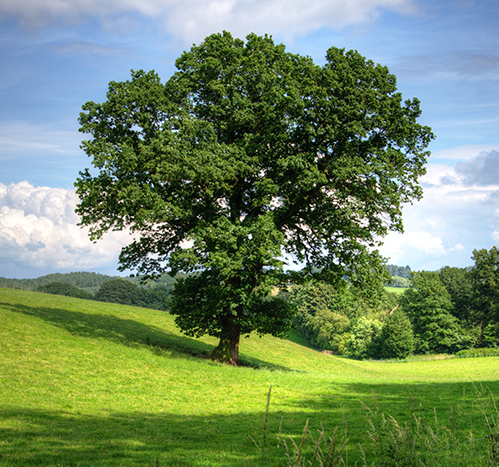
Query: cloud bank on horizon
column 58, row 54
column 38, row 231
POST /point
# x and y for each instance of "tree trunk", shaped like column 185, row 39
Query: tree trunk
column 227, row 350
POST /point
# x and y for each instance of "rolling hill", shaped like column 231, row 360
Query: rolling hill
column 92, row 383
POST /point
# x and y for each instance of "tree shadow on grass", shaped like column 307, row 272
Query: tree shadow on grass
column 398, row 400
column 44, row 437
column 40, row 437
column 119, row 330
column 127, row 332
column 53, row 437
column 56, row 437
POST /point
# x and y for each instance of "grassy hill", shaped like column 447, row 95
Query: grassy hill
column 91, row 383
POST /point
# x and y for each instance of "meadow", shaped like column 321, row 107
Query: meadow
column 91, row 383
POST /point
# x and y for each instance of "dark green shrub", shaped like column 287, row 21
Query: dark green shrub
column 397, row 338
column 120, row 291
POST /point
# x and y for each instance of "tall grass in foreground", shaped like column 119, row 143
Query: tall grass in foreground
column 419, row 442
column 425, row 441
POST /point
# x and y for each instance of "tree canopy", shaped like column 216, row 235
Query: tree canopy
column 249, row 157
column 397, row 337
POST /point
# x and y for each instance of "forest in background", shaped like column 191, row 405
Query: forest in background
column 442, row 312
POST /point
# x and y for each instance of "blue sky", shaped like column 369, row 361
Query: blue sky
column 55, row 55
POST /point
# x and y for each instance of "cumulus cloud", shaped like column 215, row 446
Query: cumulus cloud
column 38, row 229
column 482, row 171
column 457, row 214
column 399, row 248
column 194, row 19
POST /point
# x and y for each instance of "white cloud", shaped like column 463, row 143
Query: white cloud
column 192, row 20
column 457, row 214
column 38, row 229
column 483, row 170
column 401, row 249
column 463, row 152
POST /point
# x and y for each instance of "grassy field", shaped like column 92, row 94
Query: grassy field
column 396, row 290
column 90, row 383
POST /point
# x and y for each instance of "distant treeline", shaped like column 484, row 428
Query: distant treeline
column 87, row 281
column 93, row 286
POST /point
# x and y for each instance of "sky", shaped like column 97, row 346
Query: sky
column 55, row 55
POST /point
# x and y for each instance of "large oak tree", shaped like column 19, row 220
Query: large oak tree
column 247, row 157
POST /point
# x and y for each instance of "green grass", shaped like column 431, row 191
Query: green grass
column 396, row 290
column 91, row 383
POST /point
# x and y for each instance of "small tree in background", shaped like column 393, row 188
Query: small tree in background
column 485, row 282
column 428, row 305
column 458, row 282
column 397, row 337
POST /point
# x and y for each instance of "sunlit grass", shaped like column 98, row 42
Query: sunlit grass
column 396, row 290
column 87, row 382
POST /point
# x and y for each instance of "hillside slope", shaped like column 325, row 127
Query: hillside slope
column 90, row 383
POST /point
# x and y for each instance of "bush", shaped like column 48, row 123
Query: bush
column 364, row 342
column 158, row 297
column 120, row 291
column 327, row 328
column 490, row 335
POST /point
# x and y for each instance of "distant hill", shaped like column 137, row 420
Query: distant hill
column 87, row 281
column 401, row 275
column 91, row 281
